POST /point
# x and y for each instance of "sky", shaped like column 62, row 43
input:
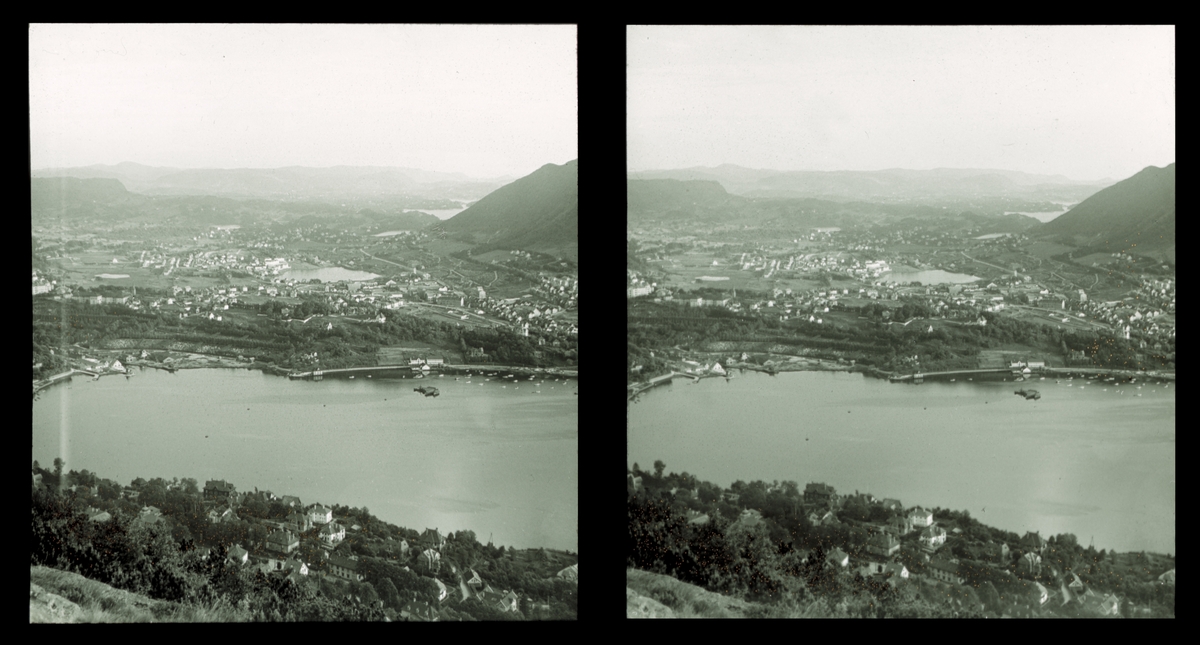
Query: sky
column 484, row 100
column 1085, row 102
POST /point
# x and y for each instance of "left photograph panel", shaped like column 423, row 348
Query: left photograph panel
column 305, row 323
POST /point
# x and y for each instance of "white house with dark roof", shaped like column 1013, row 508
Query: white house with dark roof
column 332, row 533
column 933, row 537
column 920, row 518
column 320, row 515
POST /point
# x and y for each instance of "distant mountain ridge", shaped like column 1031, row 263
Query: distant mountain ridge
column 538, row 212
column 890, row 184
column 707, row 201
column 1136, row 214
column 291, row 182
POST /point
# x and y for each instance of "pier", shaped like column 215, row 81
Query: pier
column 636, row 389
column 921, row 376
column 41, row 385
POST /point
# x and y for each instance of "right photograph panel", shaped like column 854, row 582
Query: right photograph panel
column 901, row 321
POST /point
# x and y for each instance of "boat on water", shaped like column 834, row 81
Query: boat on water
column 427, row 391
column 951, row 380
column 1029, row 394
column 351, row 376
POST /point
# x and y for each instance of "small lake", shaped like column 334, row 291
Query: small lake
column 935, row 276
column 328, row 274
column 227, row 227
column 111, row 276
column 389, row 233
column 992, row 236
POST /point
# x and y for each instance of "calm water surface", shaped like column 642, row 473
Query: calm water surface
column 328, row 274
column 935, row 276
column 491, row 459
column 1086, row 461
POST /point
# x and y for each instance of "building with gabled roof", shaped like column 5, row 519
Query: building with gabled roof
column 944, row 570
column 883, row 544
column 819, row 493
column 839, row 557
column 1033, row 542
column 933, row 537
column 430, row 560
column 920, row 518
column 238, row 555
column 283, row 541
column 332, row 533
column 345, row 567
column 219, row 489
column 431, row 537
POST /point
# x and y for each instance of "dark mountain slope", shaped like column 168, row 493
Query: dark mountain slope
column 538, row 212
column 1136, row 214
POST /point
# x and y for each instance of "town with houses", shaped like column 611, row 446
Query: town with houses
column 311, row 544
column 846, row 278
column 259, row 278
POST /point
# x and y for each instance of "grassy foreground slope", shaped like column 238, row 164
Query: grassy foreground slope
column 57, row 596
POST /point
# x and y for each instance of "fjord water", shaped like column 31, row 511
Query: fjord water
column 1099, row 464
column 482, row 457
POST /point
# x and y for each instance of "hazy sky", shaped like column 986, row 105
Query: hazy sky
column 483, row 100
column 1085, row 102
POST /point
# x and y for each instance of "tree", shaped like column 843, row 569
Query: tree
column 659, row 466
column 58, row 466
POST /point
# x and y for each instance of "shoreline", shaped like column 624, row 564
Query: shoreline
column 804, row 364
column 223, row 362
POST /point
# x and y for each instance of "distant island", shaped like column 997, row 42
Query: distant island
column 217, row 554
column 774, row 550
